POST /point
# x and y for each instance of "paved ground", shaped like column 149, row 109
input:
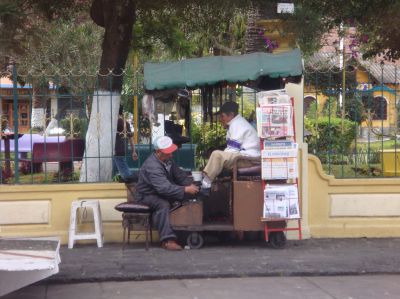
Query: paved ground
column 315, row 257
column 327, row 287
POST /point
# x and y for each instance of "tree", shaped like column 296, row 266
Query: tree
column 68, row 57
column 196, row 20
column 23, row 22
column 377, row 24
column 117, row 19
column 29, row 31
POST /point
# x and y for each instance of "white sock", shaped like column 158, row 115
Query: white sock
column 206, row 182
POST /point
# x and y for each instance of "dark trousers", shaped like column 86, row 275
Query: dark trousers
column 160, row 208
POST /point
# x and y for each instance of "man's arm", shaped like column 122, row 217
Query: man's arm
column 180, row 176
column 163, row 187
column 132, row 143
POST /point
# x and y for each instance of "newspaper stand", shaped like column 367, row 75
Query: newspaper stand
column 275, row 227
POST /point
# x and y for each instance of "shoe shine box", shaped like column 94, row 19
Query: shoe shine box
column 189, row 214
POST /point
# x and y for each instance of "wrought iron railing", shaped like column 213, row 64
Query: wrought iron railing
column 45, row 124
column 351, row 116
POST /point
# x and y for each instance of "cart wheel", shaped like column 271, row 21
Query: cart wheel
column 195, row 240
column 277, row 240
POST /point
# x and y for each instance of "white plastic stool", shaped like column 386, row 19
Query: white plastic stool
column 98, row 226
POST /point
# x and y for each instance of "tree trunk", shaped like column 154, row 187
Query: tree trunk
column 38, row 116
column 117, row 17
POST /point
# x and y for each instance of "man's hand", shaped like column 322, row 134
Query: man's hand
column 134, row 156
column 191, row 189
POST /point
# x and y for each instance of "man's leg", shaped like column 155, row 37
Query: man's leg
column 160, row 208
column 217, row 162
column 123, row 168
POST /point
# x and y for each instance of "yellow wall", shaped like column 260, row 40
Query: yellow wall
column 44, row 210
column 321, row 98
column 351, row 207
column 330, row 207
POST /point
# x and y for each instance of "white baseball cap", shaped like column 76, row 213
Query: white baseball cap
column 164, row 144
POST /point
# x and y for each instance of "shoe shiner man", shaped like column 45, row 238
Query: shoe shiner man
column 241, row 140
column 162, row 182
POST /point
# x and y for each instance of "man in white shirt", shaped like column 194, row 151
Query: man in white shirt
column 241, row 140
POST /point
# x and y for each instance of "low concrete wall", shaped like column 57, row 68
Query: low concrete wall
column 44, row 210
column 331, row 208
column 351, row 207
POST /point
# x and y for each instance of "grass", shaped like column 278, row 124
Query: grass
column 378, row 145
column 350, row 171
column 44, row 178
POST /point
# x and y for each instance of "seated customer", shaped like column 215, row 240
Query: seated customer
column 241, row 140
column 161, row 182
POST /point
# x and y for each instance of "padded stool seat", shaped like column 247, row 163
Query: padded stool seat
column 250, row 171
column 132, row 207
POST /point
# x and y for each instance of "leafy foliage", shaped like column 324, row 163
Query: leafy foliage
column 377, row 24
column 327, row 135
column 24, row 22
column 79, row 127
column 208, row 137
column 168, row 29
column 69, row 47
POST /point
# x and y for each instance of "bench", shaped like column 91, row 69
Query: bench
column 62, row 152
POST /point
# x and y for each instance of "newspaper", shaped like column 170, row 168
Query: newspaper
column 281, row 201
column 279, row 169
column 270, row 97
column 279, row 160
column 275, row 121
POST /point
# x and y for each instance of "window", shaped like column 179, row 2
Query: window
column 308, row 101
column 377, row 107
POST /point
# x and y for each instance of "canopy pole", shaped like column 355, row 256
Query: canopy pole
column 135, row 100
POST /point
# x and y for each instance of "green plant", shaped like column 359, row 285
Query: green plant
column 330, row 107
column 78, row 126
column 355, row 110
column 208, row 137
column 327, row 137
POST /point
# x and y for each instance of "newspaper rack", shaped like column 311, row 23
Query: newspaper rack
column 276, row 129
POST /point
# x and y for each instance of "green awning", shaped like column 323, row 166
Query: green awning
column 196, row 72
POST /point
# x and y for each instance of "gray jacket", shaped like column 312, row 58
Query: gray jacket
column 156, row 178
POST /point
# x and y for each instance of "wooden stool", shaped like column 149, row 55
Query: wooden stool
column 98, row 226
column 135, row 214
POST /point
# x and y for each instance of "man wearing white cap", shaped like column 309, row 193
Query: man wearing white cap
column 161, row 181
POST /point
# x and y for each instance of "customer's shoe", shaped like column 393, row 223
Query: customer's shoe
column 171, row 245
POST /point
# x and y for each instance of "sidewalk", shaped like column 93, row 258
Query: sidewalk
column 315, row 257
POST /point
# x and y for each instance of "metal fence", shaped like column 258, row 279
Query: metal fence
column 61, row 128
column 351, row 122
column 351, row 116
